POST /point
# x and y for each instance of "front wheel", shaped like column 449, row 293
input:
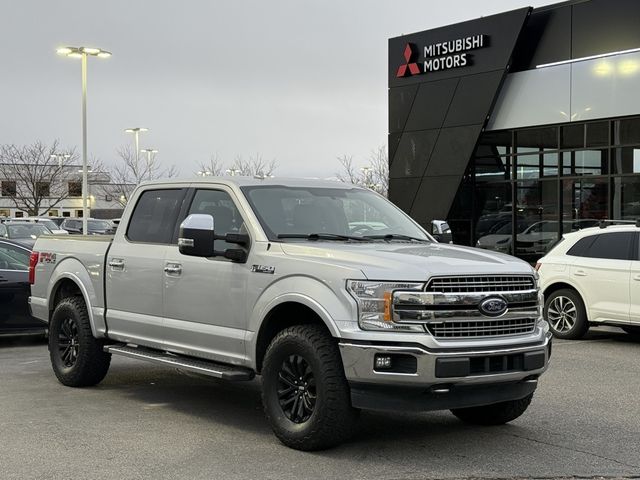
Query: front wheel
column 305, row 394
column 495, row 414
column 77, row 357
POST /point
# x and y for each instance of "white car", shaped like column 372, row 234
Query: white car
column 47, row 222
column 592, row 277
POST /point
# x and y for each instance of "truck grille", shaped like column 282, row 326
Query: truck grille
column 475, row 284
column 481, row 328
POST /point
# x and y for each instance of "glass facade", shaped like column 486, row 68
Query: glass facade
column 524, row 188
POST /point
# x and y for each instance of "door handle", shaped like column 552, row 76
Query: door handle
column 173, row 269
column 637, row 277
column 580, row 273
column 116, row 264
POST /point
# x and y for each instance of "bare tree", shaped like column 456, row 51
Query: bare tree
column 131, row 170
column 35, row 177
column 374, row 174
column 213, row 168
column 255, row 166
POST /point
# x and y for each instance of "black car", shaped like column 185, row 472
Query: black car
column 94, row 227
column 14, row 289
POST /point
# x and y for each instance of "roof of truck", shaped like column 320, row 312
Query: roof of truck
column 256, row 181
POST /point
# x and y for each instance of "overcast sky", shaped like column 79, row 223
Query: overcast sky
column 298, row 81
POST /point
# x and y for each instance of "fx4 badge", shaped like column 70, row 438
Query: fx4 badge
column 263, row 269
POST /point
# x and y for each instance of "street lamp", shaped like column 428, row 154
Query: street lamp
column 83, row 53
column 150, row 152
column 61, row 158
column 136, row 135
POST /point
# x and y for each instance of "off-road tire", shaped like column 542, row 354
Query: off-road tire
column 90, row 363
column 580, row 323
column 495, row 414
column 333, row 419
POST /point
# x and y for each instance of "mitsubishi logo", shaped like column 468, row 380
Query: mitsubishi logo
column 410, row 67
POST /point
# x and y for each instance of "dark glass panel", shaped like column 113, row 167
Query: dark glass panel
column 572, row 136
column 492, row 169
column 626, row 198
column 537, row 207
column 612, row 246
column 493, row 227
column 625, row 160
column 626, row 131
column 597, row 134
column 585, row 162
column 584, row 202
column 535, row 139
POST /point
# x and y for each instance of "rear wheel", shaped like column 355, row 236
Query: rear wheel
column 496, row 414
column 304, row 391
column 565, row 312
column 77, row 357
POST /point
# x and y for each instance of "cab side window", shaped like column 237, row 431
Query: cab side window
column 154, row 217
column 226, row 216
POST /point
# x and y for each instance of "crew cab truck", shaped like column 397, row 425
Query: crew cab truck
column 329, row 292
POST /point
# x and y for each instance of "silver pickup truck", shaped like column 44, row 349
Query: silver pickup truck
column 330, row 293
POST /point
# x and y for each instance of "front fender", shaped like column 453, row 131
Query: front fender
column 72, row 269
column 332, row 307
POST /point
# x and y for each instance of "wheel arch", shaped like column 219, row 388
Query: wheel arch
column 75, row 283
column 285, row 314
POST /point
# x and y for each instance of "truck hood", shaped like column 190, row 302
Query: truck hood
column 407, row 261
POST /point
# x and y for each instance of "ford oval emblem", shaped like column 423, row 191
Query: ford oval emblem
column 493, row 307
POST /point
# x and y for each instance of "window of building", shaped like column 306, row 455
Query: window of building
column 626, row 198
column 536, row 139
column 19, row 214
column 585, row 162
column 8, row 188
column 43, row 189
column 626, row 132
column 154, row 216
column 75, row 189
column 66, row 214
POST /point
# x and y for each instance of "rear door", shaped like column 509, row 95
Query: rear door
column 134, row 269
column 634, row 285
column 603, row 274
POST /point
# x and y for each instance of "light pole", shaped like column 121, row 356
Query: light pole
column 150, row 152
column 83, row 53
column 136, row 135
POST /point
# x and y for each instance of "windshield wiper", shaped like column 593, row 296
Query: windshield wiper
column 322, row 236
column 395, row 236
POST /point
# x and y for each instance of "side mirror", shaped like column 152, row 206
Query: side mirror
column 197, row 236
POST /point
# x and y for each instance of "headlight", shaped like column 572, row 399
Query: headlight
column 374, row 304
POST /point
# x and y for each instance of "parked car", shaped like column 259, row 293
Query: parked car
column 592, row 277
column 46, row 221
column 235, row 277
column 94, row 227
column 15, row 317
column 22, row 230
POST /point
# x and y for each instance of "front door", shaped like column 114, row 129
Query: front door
column 204, row 298
column 134, row 269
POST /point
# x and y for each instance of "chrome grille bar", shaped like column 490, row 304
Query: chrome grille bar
column 496, row 283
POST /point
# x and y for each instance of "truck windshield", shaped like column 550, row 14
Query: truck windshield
column 320, row 213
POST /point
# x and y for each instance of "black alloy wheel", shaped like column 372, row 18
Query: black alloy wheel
column 296, row 389
column 68, row 342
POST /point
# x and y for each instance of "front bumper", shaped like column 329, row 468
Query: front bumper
column 418, row 365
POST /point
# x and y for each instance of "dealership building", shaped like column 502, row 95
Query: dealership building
column 519, row 126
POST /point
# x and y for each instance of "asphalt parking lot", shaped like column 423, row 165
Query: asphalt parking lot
column 148, row 422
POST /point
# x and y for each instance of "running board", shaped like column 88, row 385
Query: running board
column 196, row 365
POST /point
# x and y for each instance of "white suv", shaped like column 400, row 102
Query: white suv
column 592, row 277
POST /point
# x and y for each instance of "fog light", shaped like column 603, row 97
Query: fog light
column 382, row 362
